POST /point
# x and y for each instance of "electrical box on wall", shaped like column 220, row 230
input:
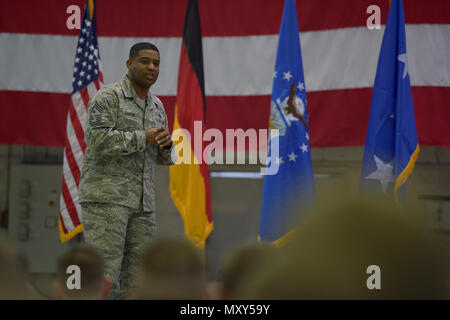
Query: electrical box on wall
column 34, row 193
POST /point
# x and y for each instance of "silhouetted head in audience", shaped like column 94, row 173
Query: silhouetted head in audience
column 242, row 264
column 356, row 248
column 14, row 278
column 172, row 269
column 80, row 275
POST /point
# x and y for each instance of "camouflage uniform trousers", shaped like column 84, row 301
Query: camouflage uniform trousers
column 121, row 234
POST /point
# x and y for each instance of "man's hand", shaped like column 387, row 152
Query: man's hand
column 152, row 133
column 164, row 139
column 159, row 136
column 291, row 108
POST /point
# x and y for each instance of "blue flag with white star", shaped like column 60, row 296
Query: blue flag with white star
column 392, row 146
column 289, row 180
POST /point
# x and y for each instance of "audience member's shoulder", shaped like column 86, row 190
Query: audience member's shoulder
column 13, row 273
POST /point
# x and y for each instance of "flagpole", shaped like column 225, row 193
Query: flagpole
column 91, row 9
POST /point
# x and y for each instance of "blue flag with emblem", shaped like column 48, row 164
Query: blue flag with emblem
column 289, row 189
column 392, row 146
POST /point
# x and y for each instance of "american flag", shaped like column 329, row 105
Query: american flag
column 87, row 80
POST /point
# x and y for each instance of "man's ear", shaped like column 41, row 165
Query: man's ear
column 107, row 285
column 129, row 64
column 57, row 290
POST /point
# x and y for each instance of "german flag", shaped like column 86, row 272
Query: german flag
column 189, row 181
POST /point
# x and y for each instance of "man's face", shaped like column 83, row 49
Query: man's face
column 144, row 68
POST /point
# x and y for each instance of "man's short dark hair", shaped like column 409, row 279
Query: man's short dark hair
column 134, row 51
column 242, row 263
column 91, row 264
column 172, row 256
column 172, row 268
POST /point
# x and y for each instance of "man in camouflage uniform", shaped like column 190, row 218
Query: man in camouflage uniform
column 127, row 135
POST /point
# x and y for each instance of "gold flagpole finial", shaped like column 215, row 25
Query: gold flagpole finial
column 91, row 8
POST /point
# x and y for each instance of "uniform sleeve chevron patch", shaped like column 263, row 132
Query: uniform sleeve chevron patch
column 95, row 117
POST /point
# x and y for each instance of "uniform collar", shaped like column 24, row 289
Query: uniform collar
column 127, row 88
column 129, row 91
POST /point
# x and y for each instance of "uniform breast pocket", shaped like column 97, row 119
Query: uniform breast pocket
column 155, row 120
column 160, row 119
column 129, row 120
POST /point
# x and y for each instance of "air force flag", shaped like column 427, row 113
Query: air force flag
column 391, row 146
column 291, row 189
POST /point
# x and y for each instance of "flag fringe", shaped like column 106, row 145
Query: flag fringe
column 280, row 242
column 67, row 236
column 406, row 173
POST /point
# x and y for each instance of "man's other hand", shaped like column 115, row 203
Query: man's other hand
column 159, row 136
column 164, row 139
column 152, row 133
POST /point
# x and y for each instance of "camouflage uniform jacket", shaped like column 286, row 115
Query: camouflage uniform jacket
column 119, row 164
